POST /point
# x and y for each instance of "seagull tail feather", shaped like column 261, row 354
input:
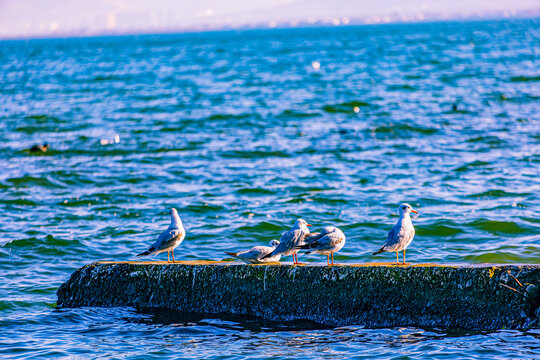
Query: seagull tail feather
column 147, row 252
column 231, row 253
column 378, row 252
column 303, row 246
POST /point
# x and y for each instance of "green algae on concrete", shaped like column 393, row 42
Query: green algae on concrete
column 372, row 295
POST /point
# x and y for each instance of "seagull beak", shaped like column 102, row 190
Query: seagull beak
column 309, row 225
column 414, row 211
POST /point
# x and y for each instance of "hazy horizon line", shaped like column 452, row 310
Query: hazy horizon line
column 274, row 25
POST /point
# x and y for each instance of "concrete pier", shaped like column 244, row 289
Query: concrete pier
column 372, row 295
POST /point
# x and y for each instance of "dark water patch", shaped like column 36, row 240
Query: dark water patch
column 401, row 87
column 328, row 200
column 47, row 245
column 18, row 202
column 491, row 140
column 255, row 191
column 198, row 208
column 43, row 119
column 500, row 257
column 293, row 114
column 437, row 230
column 473, row 165
column 225, row 321
column 401, row 129
column 524, row 78
column 501, row 227
column 263, row 227
column 31, row 181
column 497, row 193
column 6, row 305
column 254, row 154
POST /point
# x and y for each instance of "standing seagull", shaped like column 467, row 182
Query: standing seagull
column 169, row 239
column 401, row 234
column 291, row 239
column 327, row 242
column 255, row 254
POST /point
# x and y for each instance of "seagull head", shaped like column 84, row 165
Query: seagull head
column 302, row 225
column 175, row 219
column 273, row 243
column 406, row 209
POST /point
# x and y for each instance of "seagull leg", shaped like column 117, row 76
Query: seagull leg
column 404, row 257
column 397, row 257
column 172, row 255
column 168, row 259
column 332, row 258
column 328, row 259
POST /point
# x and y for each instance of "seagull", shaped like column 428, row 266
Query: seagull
column 401, row 234
column 327, row 242
column 291, row 239
column 255, row 254
column 169, row 239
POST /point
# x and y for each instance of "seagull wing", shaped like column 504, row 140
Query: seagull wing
column 313, row 237
column 288, row 241
column 168, row 238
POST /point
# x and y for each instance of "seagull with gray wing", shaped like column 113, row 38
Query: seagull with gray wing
column 327, row 242
column 255, row 254
column 291, row 239
column 401, row 234
column 169, row 239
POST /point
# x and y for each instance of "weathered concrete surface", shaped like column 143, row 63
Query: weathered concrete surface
column 373, row 295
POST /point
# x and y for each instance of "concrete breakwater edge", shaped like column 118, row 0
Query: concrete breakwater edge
column 371, row 295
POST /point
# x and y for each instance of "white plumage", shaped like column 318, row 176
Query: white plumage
column 401, row 235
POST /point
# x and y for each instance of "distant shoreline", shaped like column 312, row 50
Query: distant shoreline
column 533, row 14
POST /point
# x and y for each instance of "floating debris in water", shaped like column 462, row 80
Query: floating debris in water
column 115, row 140
column 40, row 148
column 316, row 65
column 356, row 109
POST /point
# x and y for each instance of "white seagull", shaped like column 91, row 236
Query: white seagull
column 291, row 239
column 327, row 242
column 169, row 239
column 255, row 254
column 401, row 234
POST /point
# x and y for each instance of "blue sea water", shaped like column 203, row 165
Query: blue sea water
column 243, row 133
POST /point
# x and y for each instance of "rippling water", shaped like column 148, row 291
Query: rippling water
column 243, row 134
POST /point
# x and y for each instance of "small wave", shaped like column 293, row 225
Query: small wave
column 491, row 140
column 47, row 245
column 496, row 193
column 30, row 181
column 296, row 114
column 400, row 129
column 254, row 154
column 400, row 87
column 438, row 230
column 502, row 227
column 255, row 191
column 471, row 165
column 263, row 227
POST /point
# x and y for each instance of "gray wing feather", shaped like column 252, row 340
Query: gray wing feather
column 328, row 242
column 289, row 241
column 397, row 237
column 167, row 239
column 311, row 238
